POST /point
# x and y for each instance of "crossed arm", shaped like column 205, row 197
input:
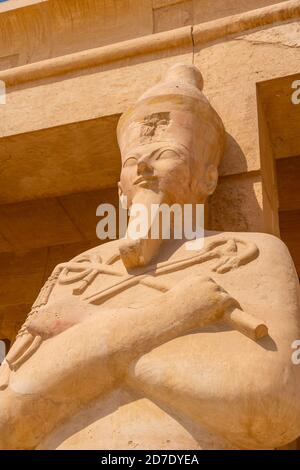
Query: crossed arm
column 93, row 357
column 129, row 332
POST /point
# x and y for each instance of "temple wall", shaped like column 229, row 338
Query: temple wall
column 34, row 30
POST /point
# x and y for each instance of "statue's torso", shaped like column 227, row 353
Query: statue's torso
column 201, row 385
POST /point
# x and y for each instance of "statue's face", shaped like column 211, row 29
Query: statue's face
column 168, row 154
column 160, row 167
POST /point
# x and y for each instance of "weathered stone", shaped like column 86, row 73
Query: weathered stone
column 127, row 331
column 71, row 68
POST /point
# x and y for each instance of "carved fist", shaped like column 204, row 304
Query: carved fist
column 202, row 299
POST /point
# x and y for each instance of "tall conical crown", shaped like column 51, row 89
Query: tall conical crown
column 181, row 79
column 178, row 93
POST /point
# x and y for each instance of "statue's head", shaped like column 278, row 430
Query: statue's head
column 171, row 140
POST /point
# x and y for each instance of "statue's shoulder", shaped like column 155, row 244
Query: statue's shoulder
column 270, row 244
column 257, row 237
column 263, row 241
column 84, row 268
column 61, row 295
column 269, row 263
column 80, row 269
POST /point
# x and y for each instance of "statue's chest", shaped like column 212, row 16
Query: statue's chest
column 92, row 283
column 108, row 284
column 98, row 280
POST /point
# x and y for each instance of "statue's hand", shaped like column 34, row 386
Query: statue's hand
column 227, row 264
column 202, row 299
column 230, row 258
column 56, row 317
column 210, row 302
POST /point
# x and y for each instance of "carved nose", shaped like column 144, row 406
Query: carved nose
column 143, row 167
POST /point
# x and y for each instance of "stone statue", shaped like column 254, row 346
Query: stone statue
column 142, row 344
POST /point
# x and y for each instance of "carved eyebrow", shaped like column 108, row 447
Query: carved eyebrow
column 128, row 158
column 155, row 153
column 159, row 152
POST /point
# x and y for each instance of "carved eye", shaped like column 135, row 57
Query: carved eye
column 168, row 154
column 130, row 161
